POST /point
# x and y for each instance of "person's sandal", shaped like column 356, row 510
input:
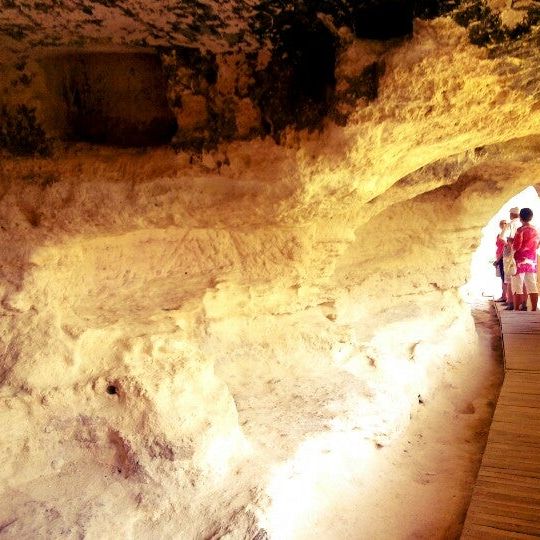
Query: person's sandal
column 509, row 307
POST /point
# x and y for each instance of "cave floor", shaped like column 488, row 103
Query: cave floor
column 506, row 496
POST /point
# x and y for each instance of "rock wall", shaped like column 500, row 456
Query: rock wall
column 222, row 340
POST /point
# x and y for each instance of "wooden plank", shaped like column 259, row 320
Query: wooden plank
column 514, row 465
column 517, row 412
column 521, row 427
column 509, row 324
column 533, row 315
column 503, row 311
column 504, row 431
column 519, row 330
column 522, row 351
column 519, row 315
column 519, row 400
column 525, row 323
column 514, row 388
column 504, row 419
column 525, row 316
column 521, row 387
column 522, row 321
column 531, row 447
column 517, row 422
column 506, row 496
column 522, row 410
column 525, row 376
column 518, row 417
column 513, row 524
column 530, row 316
column 509, row 491
column 523, row 364
column 518, row 470
column 491, row 486
column 504, row 434
column 525, row 454
column 505, row 493
column 509, row 477
column 491, row 508
column 482, row 532
column 523, row 380
column 515, row 326
column 522, row 342
column 524, row 354
column 493, row 475
column 510, row 392
column 528, row 454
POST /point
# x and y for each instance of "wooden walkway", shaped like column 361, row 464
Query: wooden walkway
column 506, row 497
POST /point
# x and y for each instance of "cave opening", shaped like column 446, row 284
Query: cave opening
column 483, row 281
column 111, row 98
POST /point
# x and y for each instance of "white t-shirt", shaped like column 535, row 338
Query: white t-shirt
column 515, row 224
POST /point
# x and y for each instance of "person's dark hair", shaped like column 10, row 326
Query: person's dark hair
column 526, row 214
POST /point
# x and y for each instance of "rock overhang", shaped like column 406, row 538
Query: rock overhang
column 233, row 70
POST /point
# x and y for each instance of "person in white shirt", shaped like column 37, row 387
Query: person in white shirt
column 509, row 232
column 514, row 224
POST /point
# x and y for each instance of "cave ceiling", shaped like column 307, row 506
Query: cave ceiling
column 239, row 70
column 218, row 26
column 208, row 25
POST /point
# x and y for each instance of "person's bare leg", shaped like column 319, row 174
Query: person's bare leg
column 534, row 301
column 525, row 296
column 509, row 297
column 503, row 284
column 518, row 298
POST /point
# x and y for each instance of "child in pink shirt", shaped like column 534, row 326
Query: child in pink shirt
column 525, row 245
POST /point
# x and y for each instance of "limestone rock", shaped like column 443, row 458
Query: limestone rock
column 233, row 237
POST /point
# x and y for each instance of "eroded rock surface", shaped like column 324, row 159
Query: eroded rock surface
column 232, row 334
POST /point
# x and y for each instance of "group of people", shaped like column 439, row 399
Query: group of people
column 517, row 244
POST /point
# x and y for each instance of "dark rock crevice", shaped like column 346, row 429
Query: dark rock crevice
column 297, row 87
column 20, row 132
column 383, row 19
column 116, row 99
